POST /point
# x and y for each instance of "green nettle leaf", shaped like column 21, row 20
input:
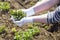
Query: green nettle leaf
column 32, row 3
column 2, row 28
column 18, row 14
column 4, row 5
column 27, row 34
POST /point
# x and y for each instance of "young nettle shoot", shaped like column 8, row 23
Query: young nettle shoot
column 27, row 34
column 17, row 14
column 2, row 28
column 14, row 30
column 32, row 3
column 4, row 6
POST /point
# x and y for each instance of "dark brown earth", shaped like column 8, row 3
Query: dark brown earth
column 45, row 34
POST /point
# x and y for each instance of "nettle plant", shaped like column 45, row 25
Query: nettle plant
column 14, row 30
column 32, row 3
column 17, row 14
column 2, row 28
column 4, row 6
column 27, row 34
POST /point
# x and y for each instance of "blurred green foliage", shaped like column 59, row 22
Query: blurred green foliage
column 27, row 34
column 18, row 14
column 4, row 5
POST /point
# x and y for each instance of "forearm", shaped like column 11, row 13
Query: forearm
column 52, row 17
column 44, row 5
column 41, row 6
column 40, row 18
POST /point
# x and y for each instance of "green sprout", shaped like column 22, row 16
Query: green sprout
column 32, row 3
column 2, row 28
column 27, row 34
column 14, row 30
column 18, row 14
column 4, row 6
column 46, row 27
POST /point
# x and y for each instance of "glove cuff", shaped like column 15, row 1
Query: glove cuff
column 29, row 20
column 30, row 12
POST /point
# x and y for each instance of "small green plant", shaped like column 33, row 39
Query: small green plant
column 4, row 6
column 32, row 3
column 18, row 14
column 14, row 30
column 46, row 27
column 2, row 28
column 26, row 35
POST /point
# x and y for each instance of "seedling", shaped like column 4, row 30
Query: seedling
column 32, row 3
column 2, row 28
column 14, row 30
column 4, row 6
column 46, row 27
column 26, row 35
column 18, row 14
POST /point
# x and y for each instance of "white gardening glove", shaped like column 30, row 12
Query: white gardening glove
column 22, row 21
column 29, row 12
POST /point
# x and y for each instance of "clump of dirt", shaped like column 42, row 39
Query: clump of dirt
column 45, row 35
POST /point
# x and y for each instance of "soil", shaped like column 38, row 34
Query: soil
column 45, row 34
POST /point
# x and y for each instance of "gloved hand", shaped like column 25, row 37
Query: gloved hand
column 28, row 12
column 22, row 21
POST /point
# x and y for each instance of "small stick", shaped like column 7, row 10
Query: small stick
column 21, row 4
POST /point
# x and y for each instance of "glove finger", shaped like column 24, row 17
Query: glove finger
column 19, row 24
column 11, row 18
